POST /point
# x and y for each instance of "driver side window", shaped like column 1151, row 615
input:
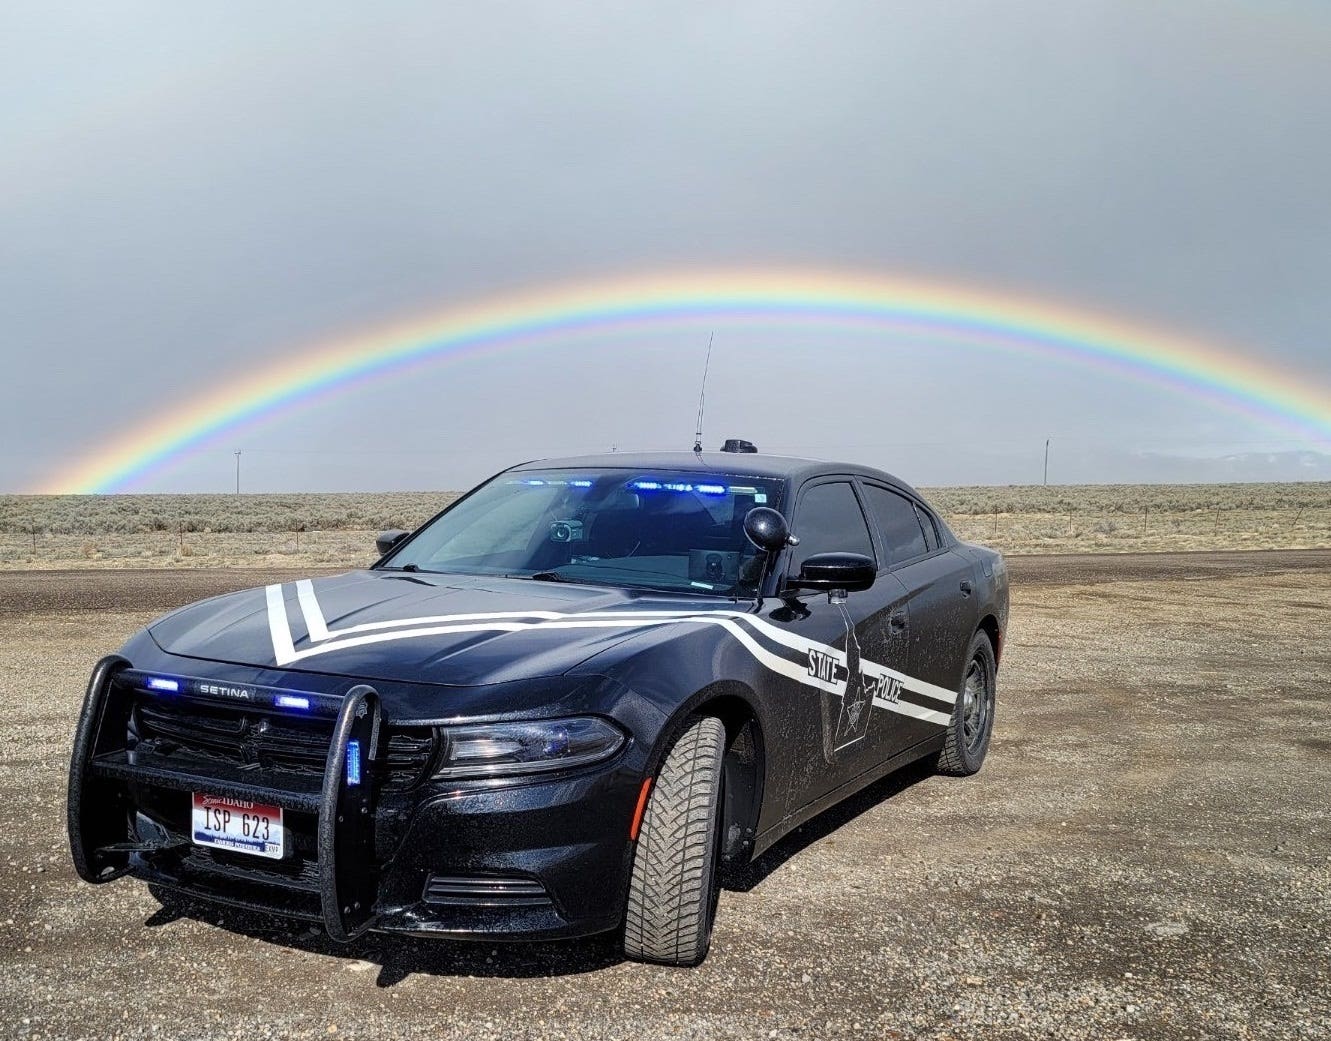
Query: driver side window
column 829, row 520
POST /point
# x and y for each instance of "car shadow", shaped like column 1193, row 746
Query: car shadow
column 744, row 878
column 398, row 957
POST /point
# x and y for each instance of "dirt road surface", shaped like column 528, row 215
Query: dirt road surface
column 1147, row 854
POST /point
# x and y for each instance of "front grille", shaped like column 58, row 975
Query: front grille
column 485, row 891
column 293, row 892
column 268, row 741
column 296, row 871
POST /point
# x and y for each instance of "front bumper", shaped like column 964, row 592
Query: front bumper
column 519, row 859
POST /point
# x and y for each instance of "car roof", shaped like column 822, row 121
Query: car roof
column 738, row 464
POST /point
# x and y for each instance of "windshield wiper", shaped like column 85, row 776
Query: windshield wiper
column 545, row 576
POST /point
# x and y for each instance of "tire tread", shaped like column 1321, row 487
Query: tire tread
column 953, row 760
column 670, row 891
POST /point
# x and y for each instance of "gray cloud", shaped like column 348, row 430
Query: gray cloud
column 186, row 190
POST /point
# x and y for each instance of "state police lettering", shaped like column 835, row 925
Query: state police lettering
column 882, row 688
column 822, row 666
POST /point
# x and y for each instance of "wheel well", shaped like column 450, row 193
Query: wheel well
column 989, row 626
column 743, row 770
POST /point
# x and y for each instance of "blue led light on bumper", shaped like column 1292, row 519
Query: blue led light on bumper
column 292, row 701
column 353, row 764
column 163, row 684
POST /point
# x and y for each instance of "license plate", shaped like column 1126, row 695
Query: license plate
column 237, row 824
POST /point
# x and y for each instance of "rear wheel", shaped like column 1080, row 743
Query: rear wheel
column 972, row 721
column 673, row 888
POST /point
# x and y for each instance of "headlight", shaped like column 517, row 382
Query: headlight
column 503, row 749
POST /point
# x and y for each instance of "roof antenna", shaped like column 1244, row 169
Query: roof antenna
column 702, row 396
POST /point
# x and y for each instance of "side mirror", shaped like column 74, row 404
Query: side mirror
column 389, row 539
column 767, row 529
column 829, row 571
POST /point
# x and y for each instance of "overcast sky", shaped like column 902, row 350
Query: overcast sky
column 188, row 190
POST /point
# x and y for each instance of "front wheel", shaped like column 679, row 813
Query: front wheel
column 972, row 721
column 673, row 890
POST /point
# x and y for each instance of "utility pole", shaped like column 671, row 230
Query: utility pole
column 238, row 451
column 1046, row 461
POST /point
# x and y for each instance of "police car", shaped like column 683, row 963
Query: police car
column 555, row 709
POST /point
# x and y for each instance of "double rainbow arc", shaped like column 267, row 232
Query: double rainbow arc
column 985, row 320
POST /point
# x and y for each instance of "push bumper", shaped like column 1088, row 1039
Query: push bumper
column 519, row 861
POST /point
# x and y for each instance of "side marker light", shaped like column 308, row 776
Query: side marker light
column 639, row 810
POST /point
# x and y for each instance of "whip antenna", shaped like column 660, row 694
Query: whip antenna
column 702, row 395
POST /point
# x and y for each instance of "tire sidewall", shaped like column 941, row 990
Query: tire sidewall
column 714, row 873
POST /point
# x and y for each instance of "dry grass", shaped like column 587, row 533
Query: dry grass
column 338, row 529
column 1140, row 518
column 146, row 514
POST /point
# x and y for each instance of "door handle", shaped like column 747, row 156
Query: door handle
column 897, row 622
column 965, row 587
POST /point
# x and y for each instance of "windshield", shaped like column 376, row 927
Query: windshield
column 672, row 530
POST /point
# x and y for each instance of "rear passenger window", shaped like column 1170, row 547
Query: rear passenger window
column 927, row 523
column 829, row 520
column 898, row 523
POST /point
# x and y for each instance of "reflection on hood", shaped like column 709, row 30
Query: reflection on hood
column 452, row 629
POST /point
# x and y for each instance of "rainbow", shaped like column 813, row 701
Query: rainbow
column 772, row 298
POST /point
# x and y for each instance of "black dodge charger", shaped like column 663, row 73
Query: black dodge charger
column 555, row 709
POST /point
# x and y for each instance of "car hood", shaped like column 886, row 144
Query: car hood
column 418, row 627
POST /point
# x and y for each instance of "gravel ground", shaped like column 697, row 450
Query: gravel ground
column 1145, row 855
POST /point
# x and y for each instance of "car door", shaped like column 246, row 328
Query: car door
column 938, row 585
column 838, row 733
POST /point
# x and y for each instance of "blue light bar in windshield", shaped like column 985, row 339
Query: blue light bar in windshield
column 678, row 486
column 645, row 484
column 552, row 482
